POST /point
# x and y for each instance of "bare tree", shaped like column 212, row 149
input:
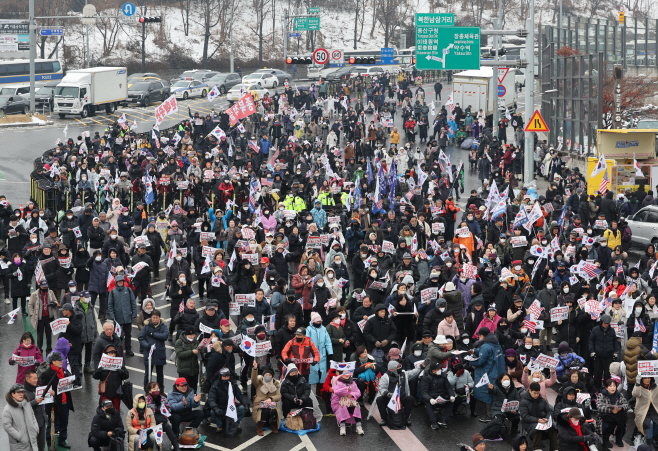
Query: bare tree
column 262, row 8
column 109, row 27
column 212, row 14
column 48, row 8
column 359, row 7
column 185, row 6
column 391, row 13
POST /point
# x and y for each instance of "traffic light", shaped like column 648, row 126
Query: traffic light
column 362, row 60
column 501, row 51
column 150, row 19
column 299, row 60
column 414, row 60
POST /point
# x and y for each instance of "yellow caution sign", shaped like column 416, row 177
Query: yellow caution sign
column 621, row 16
column 536, row 123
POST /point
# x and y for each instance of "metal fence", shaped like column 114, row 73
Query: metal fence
column 574, row 111
column 631, row 44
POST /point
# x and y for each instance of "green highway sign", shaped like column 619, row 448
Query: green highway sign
column 447, row 48
column 307, row 23
column 440, row 19
column 315, row 10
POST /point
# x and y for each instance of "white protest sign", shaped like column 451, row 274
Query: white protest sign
column 59, row 325
column 510, row 406
column 388, row 247
column 559, row 313
column 65, row 384
column 23, row 361
column 518, row 241
column 647, row 368
column 111, row 363
column 205, row 329
column 47, row 399
column 546, row 361
column 246, row 299
column 428, row 294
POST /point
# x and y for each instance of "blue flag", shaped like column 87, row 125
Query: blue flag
column 655, row 336
column 382, row 181
column 148, row 196
column 369, row 176
column 357, row 193
column 560, row 220
column 252, row 195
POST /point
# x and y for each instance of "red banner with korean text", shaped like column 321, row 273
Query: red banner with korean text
column 243, row 108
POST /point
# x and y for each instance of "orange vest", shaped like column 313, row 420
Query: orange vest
column 136, row 424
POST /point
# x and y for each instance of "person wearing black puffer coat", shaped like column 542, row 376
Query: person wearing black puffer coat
column 290, row 307
column 113, row 379
column 185, row 319
column 379, row 330
column 210, row 317
column 243, row 281
column 573, row 433
column 604, row 348
column 567, row 329
column 639, row 317
column 218, row 291
column 435, row 385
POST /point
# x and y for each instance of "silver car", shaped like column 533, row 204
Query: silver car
column 644, row 225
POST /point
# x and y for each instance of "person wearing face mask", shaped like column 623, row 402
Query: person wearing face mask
column 436, row 390
column 123, row 309
column 140, row 417
column 295, row 391
column 156, row 400
column 116, row 243
column 505, row 290
column 538, row 377
column 20, row 277
column 87, row 314
column 98, row 274
column 43, row 308
column 504, row 390
column 548, row 299
column 105, row 424
column 565, row 361
column 574, row 434
column 265, row 409
column 187, row 361
column 604, row 347
column 145, row 313
column 66, row 226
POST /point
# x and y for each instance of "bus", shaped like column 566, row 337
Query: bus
column 406, row 56
column 18, row 71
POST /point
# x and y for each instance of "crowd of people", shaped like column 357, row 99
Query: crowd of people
column 325, row 269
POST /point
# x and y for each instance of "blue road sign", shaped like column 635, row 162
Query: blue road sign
column 387, row 55
column 128, row 9
column 51, row 32
column 294, row 35
column 501, row 90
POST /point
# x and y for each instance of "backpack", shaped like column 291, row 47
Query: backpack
column 42, row 368
column 308, row 420
column 492, row 429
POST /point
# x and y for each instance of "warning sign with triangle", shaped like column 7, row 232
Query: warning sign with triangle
column 536, row 123
column 502, row 72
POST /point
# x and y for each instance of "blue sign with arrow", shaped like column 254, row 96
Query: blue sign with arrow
column 128, row 9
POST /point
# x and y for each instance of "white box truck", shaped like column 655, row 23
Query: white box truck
column 86, row 91
column 482, row 91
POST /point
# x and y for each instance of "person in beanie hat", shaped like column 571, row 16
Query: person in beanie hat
column 63, row 402
column 267, row 390
column 295, row 390
column 490, row 362
column 478, row 442
column 301, row 351
column 565, row 361
column 604, row 348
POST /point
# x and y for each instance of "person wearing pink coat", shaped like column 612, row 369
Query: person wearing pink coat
column 26, row 348
column 344, row 402
column 448, row 327
column 490, row 320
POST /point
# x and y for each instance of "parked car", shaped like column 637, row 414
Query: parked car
column 237, row 91
column 13, row 104
column 138, row 79
column 224, row 82
column 45, row 95
column 184, row 89
column 17, row 89
column 644, row 225
column 279, row 74
column 188, row 75
column 370, row 71
column 265, row 80
column 339, row 73
column 143, row 75
column 145, row 92
column 204, row 76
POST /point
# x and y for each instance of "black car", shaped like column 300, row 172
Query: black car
column 145, row 92
column 14, row 105
column 143, row 74
column 340, row 74
column 44, row 96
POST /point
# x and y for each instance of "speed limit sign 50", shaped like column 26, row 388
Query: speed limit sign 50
column 321, row 56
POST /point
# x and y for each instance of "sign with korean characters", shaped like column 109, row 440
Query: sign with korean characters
column 447, row 48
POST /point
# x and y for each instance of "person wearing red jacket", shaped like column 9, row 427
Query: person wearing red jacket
column 299, row 350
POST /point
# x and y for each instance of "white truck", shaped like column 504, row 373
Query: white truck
column 482, row 91
column 86, row 91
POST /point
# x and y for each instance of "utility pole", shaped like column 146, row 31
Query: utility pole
column 87, row 32
column 32, row 29
column 559, row 27
column 529, row 151
column 285, row 35
column 143, row 39
column 497, row 41
column 57, row 43
column 231, row 38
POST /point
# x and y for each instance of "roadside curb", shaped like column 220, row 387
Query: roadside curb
column 26, row 124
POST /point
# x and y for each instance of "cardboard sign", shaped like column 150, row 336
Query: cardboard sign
column 59, row 325
column 252, row 258
column 314, row 242
column 647, row 368
column 428, row 293
column 65, row 384
column 246, row 299
column 546, row 361
column 559, row 313
column 438, row 228
column 47, row 398
column 111, row 363
column 388, row 247
column 24, row 361
column 469, row 271
column 518, row 241
column 510, row 406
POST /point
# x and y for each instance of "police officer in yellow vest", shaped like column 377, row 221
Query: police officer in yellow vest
column 327, row 198
column 294, row 203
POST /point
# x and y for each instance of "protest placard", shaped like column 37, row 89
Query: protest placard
column 248, row 234
column 208, row 236
column 23, row 361
column 111, row 363
column 438, row 228
column 469, row 271
column 289, row 214
column 59, row 325
column 379, row 285
column 251, row 258
column 463, row 232
column 428, row 293
column 47, row 397
column 518, row 241
column 207, row 251
column 647, row 368
column 314, row 242
column 510, row 406
column 559, row 313
column 388, row 247
column 246, row 299
column 546, row 361
column 65, row 384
